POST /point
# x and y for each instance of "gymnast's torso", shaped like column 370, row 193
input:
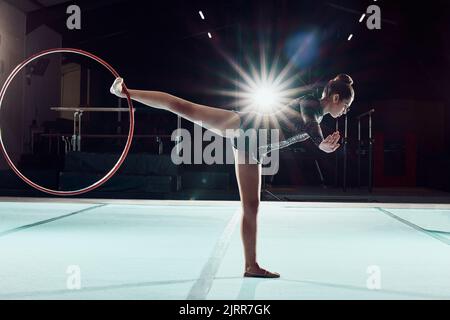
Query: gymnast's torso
column 296, row 122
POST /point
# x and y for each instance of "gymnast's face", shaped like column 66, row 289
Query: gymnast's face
column 338, row 106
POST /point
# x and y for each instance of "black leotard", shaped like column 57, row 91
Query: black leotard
column 297, row 121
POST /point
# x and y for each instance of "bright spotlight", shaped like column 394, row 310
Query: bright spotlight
column 266, row 87
column 266, row 98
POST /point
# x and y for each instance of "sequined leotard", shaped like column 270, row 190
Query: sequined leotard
column 296, row 122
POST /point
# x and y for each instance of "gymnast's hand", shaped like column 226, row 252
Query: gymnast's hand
column 330, row 144
column 117, row 88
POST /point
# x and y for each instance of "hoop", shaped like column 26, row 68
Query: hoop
column 130, row 133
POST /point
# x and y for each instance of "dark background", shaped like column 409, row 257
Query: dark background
column 401, row 70
column 166, row 41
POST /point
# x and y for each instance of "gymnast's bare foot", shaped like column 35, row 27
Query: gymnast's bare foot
column 257, row 272
column 117, row 88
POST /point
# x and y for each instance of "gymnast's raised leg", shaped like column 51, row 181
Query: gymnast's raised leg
column 214, row 119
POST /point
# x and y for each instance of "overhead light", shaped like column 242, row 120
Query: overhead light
column 362, row 17
column 265, row 98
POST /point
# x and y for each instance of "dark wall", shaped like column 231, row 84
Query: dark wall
column 402, row 69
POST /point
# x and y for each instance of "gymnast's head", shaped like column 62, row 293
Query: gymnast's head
column 338, row 95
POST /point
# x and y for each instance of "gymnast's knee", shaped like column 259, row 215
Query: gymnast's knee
column 251, row 208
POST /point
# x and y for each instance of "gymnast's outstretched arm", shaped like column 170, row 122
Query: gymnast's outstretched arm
column 214, row 119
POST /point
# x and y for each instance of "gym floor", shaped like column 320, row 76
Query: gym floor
column 123, row 249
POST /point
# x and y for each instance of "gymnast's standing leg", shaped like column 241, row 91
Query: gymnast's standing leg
column 249, row 181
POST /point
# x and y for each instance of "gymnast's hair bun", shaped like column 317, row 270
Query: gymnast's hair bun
column 345, row 78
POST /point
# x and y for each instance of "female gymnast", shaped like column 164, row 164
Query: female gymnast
column 301, row 121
